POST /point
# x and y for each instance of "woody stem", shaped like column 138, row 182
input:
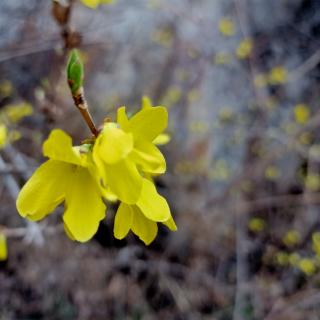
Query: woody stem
column 82, row 105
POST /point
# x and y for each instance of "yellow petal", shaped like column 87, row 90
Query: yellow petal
column 123, row 221
column 84, row 206
column 146, row 103
column 171, row 224
column 59, row 147
column 44, row 190
column 152, row 204
column 112, row 145
column 144, row 228
column 162, row 139
column 148, row 157
column 124, row 180
column 148, row 123
column 3, row 247
column 122, row 118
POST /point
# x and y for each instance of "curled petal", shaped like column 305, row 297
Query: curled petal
column 58, row 146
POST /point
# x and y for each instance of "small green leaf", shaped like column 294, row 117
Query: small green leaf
column 75, row 72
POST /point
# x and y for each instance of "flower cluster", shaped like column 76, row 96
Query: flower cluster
column 118, row 164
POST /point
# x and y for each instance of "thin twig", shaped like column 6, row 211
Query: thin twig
column 305, row 67
column 24, row 231
column 82, row 105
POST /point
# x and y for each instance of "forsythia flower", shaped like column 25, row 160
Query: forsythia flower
column 3, row 247
column 227, row 27
column 127, row 152
column 3, row 135
column 121, row 152
column 65, row 177
column 94, row 3
column 119, row 164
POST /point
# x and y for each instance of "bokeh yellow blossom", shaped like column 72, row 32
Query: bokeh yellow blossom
column 3, row 247
column 95, row 3
column 227, row 27
column 244, row 48
column 3, row 135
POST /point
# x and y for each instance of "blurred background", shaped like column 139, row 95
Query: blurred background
column 240, row 79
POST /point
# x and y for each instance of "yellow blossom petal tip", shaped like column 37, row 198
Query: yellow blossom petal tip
column 58, row 146
column 146, row 102
column 149, row 123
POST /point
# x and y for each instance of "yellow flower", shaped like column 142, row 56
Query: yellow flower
column 122, row 153
column 278, row 75
column 227, row 27
column 111, row 155
column 118, row 164
column 65, row 177
column 316, row 243
column 3, row 135
column 301, row 113
column 3, row 247
column 291, row 238
column 244, row 48
column 222, row 58
column 142, row 217
column 16, row 112
column 307, row 266
column 256, row 224
column 94, row 3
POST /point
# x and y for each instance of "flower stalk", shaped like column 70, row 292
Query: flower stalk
column 82, row 105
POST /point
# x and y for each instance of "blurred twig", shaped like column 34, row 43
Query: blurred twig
column 23, row 232
column 284, row 308
column 305, row 67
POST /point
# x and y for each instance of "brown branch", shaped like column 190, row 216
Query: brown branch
column 82, row 105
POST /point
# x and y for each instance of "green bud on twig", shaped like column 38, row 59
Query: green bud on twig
column 75, row 72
